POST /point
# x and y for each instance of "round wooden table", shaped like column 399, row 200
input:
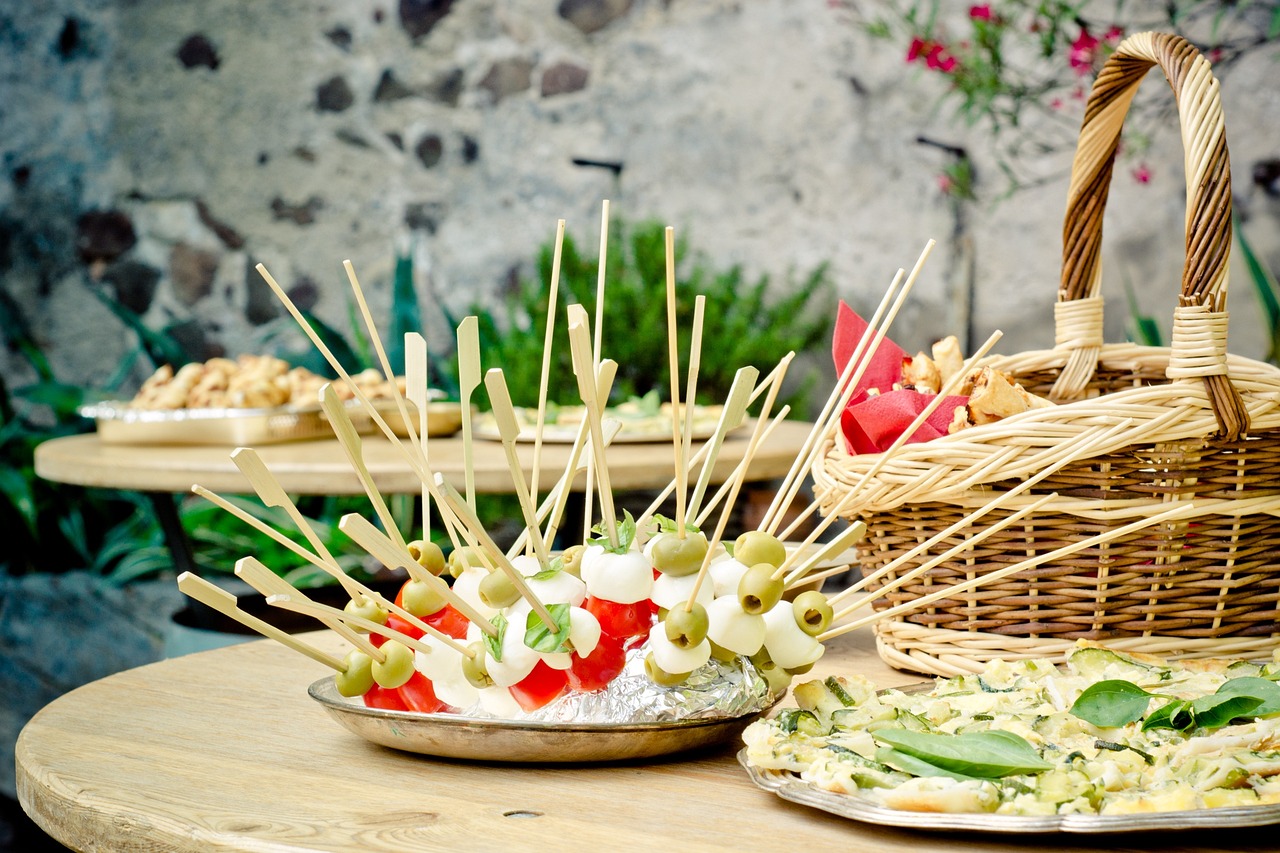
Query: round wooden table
column 321, row 466
column 224, row 750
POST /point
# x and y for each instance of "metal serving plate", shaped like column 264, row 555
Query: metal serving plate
column 443, row 418
column 516, row 741
column 790, row 786
column 119, row 424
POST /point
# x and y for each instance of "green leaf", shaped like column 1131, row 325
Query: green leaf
column 1112, row 703
column 668, row 525
column 626, row 535
column 986, row 755
column 1216, row 711
column 342, row 351
column 493, row 642
column 1264, row 284
column 160, row 348
column 1251, row 685
column 17, row 490
column 405, row 313
column 541, row 638
column 1175, row 714
column 899, row 760
column 555, row 567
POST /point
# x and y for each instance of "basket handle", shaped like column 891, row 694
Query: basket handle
column 1199, row 345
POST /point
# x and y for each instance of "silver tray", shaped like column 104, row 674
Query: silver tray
column 119, row 424
column 790, row 786
column 518, row 741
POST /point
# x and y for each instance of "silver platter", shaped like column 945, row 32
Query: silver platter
column 516, row 741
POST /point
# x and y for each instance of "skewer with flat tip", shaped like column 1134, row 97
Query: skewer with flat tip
column 504, row 414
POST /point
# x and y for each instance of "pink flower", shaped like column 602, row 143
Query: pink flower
column 1055, row 104
column 1082, row 53
column 945, row 185
column 1114, row 35
column 939, row 60
column 1214, row 55
column 918, row 48
column 1142, row 174
column 981, row 12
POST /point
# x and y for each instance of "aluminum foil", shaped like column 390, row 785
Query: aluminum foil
column 714, row 691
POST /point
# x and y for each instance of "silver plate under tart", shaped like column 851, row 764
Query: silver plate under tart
column 521, row 741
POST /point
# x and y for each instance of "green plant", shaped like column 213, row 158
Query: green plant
column 745, row 322
column 1268, row 291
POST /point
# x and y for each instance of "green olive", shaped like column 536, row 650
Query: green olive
column 397, row 668
column 428, row 555
column 803, row 669
column 461, row 559
column 720, row 653
column 686, row 628
column 366, row 608
column 679, row 557
column 571, row 559
column 660, row 676
column 756, row 546
column 813, row 612
column 497, row 590
column 761, row 658
column 776, row 677
column 759, row 590
column 357, row 678
column 421, row 598
column 476, row 669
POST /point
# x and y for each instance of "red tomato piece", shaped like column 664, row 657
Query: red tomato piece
column 418, row 695
column 540, row 686
column 622, row 620
column 387, row 700
column 595, row 671
column 449, row 620
column 402, row 625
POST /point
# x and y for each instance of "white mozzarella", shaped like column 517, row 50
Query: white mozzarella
column 789, row 646
column 668, row 591
column 622, row 578
column 673, row 659
column 732, row 628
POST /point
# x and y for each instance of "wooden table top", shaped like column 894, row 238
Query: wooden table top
column 321, row 466
column 224, row 750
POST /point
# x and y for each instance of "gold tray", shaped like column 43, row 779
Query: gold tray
column 522, row 741
column 119, row 424
column 443, row 419
column 790, row 786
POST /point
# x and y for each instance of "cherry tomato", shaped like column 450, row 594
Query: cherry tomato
column 418, row 695
column 596, row 670
column 387, row 700
column 449, row 620
column 404, row 627
column 622, row 620
column 540, row 686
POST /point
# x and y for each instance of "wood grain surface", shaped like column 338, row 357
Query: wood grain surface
column 321, row 467
column 224, row 750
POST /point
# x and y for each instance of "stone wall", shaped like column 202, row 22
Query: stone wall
column 156, row 151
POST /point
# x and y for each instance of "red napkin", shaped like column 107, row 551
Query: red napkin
column 871, row 424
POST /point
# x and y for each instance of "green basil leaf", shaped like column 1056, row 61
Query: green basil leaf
column 668, row 525
column 1250, row 685
column 1110, row 704
column 493, row 642
column 899, row 760
column 1175, row 714
column 554, row 567
column 626, row 535
column 987, row 755
column 1216, row 711
column 541, row 638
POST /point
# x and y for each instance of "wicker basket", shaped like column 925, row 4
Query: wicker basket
column 1202, row 426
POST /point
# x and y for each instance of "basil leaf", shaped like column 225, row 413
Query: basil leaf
column 540, row 638
column 1250, row 685
column 626, row 535
column 493, row 642
column 899, row 760
column 1216, row 711
column 1110, row 704
column 668, row 525
column 1175, row 714
column 987, row 755
column 553, row 568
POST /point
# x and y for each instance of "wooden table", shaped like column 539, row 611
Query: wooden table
column 224, row 750
column 321, row 467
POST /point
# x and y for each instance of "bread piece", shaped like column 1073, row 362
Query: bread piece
column 946, row 354
column 921, row 374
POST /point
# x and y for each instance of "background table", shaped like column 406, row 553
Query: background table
column 224, row 750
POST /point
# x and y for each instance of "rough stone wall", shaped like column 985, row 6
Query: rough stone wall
column 157, row 150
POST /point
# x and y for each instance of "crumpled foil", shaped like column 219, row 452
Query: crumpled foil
column 717, row 690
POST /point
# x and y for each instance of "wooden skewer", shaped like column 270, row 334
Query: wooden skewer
column 977, row 539
column 322, row 611
column 1182, row 509
column 267, row 582
column 1081, row 447
column 735, row 408
column 545, row 378
column 588, row 389
column 395, row 556
column 819, row 576
column 843, row 391
column 416, row 380
column 737, row 482
column 347, row 436
column 475, row 527
column 611, row 428
column 597, row 343
column 838, row 545
column 271, row 493
column 673, row 358
column 267, row 530
column 468, row 381
column 738, row 471
column 509, row 431
column 225, row 603
column 691, row 382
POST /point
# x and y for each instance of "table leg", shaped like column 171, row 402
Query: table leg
column 175, row 537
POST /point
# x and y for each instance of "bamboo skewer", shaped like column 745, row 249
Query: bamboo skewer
column 267, row 582
column 468, row 381
column 838, row 545
column 691, row 381
column 416, row 380
column 472, row 525
column 738, row 471
column 588, row 389
column 225, row 603
column 394, row 556
column 673, row 359
column 734, row 411
column 509, row 431
column 347, row 436
column 1182, row 509
column 545, row 377
column 323, row 611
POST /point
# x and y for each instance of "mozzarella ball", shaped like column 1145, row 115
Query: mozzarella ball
column 621, row 578
column 732, row 628
column 671, row 658
column 668, row 590
column 789, row 646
